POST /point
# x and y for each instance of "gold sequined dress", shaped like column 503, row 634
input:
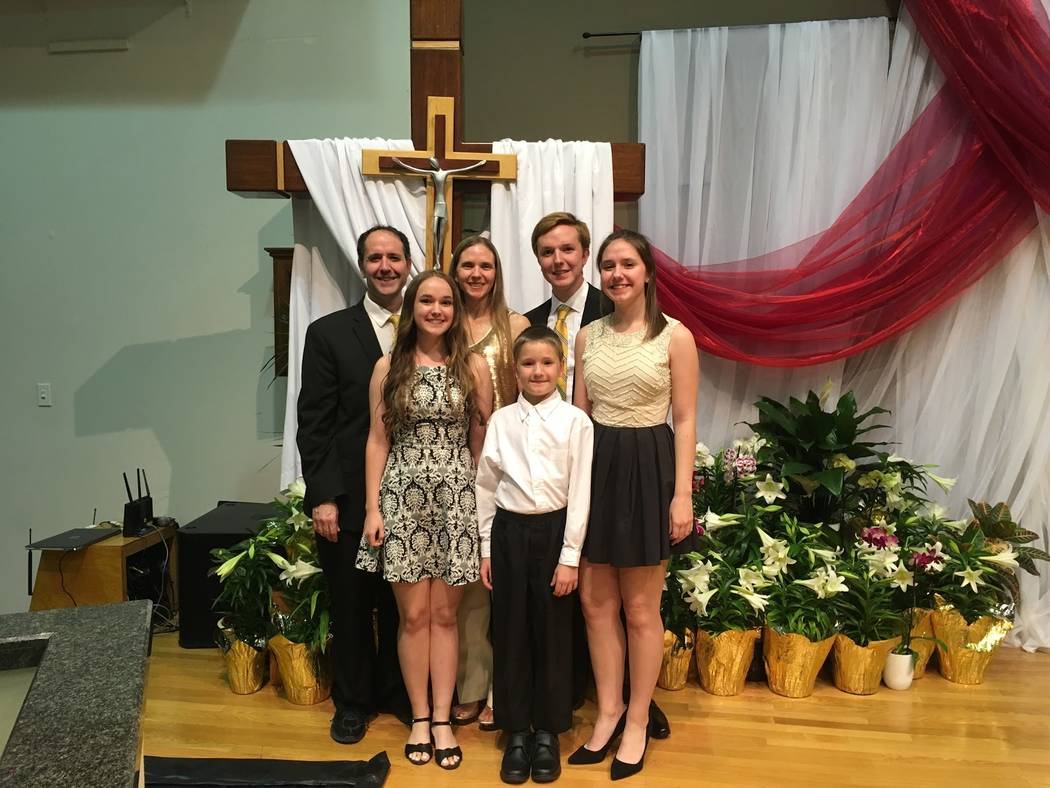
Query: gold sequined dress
column 501, row 367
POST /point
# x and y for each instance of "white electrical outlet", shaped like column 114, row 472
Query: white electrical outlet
column 43, row 395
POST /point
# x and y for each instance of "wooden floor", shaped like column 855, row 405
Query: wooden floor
column 937, row 733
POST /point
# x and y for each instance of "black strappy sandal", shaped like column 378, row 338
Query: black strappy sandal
column 447, row 752
column 427, row 747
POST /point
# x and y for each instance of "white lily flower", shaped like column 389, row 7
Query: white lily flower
column 935, row 511
column 751, row 579
column 696, row 577
column 712, row 521
column 775, row 567
column 825, row 393
column 296, row 489
column 882, row 561
column 698, row 600
column 943, row 482
column 229, row 565
column 827, row 556
column 971, row 577
column 280, row 560
column 300, row 570
column 814, row 583
column 902, row 578
column 834, row 584
column 299, row 520
column 756, row 600
column 703, row 458
column 1005, row 558
column 897, row 458
column 769, row 490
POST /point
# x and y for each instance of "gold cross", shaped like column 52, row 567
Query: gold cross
column 440, row 164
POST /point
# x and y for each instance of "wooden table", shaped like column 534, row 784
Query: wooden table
column 97, row 574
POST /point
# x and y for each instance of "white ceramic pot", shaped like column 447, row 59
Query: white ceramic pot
column 898, row 672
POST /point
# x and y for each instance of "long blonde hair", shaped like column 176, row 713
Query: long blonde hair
column 498, row 312
column 397, row 389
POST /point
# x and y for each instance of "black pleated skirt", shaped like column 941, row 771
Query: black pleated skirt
column 632, row 485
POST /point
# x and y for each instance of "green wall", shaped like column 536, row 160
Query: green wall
column 132, row 281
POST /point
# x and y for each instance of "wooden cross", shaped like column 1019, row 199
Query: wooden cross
column 257, row 168
column 441, row 164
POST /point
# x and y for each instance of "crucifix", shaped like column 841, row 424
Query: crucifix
column 438, row 164
column 268, row 168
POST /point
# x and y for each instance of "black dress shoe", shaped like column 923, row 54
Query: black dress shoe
column 659, row 727
column 517, row 759
column 583, row 756
column 349, row 726
column 621, row 770
column 546, row 757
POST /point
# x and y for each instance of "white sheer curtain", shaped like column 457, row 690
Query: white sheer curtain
column 757, row 138
column 552, row 176
column 325, row 276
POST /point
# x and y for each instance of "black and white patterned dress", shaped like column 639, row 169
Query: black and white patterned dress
column 427, row 493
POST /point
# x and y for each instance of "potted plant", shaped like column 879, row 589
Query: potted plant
column 244, row 601
column 868, row 621
column 678, row 636
column 978, row 590
column 726, row 603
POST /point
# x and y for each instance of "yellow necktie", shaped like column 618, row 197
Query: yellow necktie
column 561, row 328
column 394, row 319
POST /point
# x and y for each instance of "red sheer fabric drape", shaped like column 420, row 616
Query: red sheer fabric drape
column 937, row 215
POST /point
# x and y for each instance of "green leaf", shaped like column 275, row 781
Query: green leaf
column 795, row 468
column 832, row 479
column 1023, row 536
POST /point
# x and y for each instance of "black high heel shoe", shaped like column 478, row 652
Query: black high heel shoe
column 447, row 752
column 583, row 756
column 620, row 769
column 427, row 748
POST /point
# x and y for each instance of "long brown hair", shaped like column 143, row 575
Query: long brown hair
column 655, row 322
column 397, row 389
column 499, row 314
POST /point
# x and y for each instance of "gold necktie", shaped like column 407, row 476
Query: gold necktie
column 561, row 328
column 394, row 319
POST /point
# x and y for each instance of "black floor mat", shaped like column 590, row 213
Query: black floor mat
column 244, row 772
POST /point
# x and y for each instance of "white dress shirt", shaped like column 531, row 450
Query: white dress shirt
column 380, row 318
column 537, row 459
column 577, row 301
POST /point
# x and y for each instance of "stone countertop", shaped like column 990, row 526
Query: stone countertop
column 80, row 722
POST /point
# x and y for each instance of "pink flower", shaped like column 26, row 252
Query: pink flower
column 729, row 456
column 698, row 526
column 878, row 537
column 744, row 465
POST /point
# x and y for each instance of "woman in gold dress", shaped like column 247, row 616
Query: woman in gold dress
column 491, row 329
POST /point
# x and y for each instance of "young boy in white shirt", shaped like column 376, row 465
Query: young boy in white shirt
column 533, row 498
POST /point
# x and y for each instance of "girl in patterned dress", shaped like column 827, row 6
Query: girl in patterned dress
column 430, row 399
column 637, row 366
column 491, row 330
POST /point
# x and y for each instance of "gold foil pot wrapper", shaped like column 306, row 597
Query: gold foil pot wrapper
column 858, row 669
column 674, row 669
column 968, row 647
column 306, row 676
column 793, row 661
column 922, row 627
column 245, row 664
column 724, row 659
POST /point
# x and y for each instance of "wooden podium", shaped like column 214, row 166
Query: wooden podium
column 97, row 574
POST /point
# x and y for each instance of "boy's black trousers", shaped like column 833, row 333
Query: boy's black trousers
column 532, row 649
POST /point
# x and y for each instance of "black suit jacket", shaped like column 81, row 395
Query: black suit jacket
column 596, row 305
column 339, row 355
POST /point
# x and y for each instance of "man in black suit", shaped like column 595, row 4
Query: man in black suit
column 338, row 356
column 562, row 245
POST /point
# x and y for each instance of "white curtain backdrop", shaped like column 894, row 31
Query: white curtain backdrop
column 552, row 176
column 757, row 138
column 325, row 276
